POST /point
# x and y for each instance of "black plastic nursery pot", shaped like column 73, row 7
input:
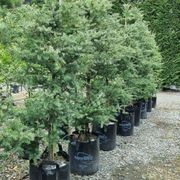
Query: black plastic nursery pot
column 107, row 136
column 154, row 101
column 149, row 105
column 50, row 170
column 125, row 126
column 64, row 167
column 144, row 109
column 84, row 155
column 137, row 113
column 34, row 171
column 15, row 88
column 64, row 171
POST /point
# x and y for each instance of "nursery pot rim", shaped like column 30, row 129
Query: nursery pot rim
column 54, row 162
column 111, row 123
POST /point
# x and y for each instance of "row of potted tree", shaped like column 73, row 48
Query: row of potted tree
column 94, row 68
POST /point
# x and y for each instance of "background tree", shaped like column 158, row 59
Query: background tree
column 163, row 17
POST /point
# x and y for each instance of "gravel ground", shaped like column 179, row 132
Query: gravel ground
column 152, row 153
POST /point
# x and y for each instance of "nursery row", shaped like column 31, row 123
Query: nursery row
column 84, row 66
column 83, row 157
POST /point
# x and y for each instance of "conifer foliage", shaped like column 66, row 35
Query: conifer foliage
column 88, row 61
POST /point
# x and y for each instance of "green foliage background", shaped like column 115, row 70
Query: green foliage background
column 164, row 20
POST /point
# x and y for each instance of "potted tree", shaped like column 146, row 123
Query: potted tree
column 104, row 71
column 43, row 112
column 94, row 94
column 145, row 60
column 51, row 48
column 127, row 71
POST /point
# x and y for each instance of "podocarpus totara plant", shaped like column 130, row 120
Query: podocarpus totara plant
column 109, row 55
column 144, row 57
column 99, row 84
column 52, row 44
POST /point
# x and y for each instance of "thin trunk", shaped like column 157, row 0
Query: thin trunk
column 88, row 88
column 51, row 144
column 108, row 100
column 86, row 127
column 107, row 82
column 29, row 92
column 51, row 152
column 8, row 89
column 88, row 94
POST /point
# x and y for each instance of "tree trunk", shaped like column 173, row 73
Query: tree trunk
column 51, row 144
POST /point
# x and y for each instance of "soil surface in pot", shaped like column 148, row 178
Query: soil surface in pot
column 82, row 137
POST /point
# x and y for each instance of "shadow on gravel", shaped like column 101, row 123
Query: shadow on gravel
column 157, row 170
